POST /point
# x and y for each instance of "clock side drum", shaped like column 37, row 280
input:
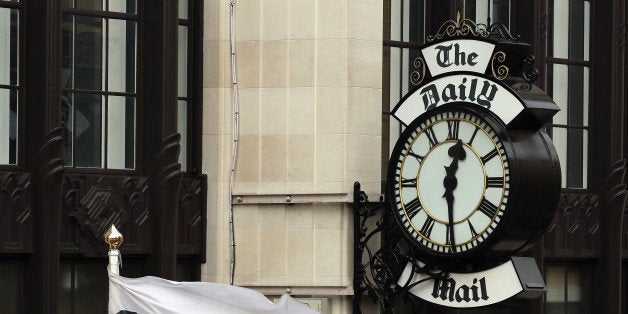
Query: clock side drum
column 533, row 193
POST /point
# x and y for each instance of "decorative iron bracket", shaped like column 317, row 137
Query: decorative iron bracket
column 381, row 253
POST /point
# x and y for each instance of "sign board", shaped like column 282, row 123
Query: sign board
column 466, row 290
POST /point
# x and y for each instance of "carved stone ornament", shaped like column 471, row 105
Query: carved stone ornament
column 98, row 210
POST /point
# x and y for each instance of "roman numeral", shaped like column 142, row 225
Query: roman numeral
column 475, row 132
column 408, row 183
column 488, row 208
column 489, row 156
column 473, row 232
column 449, row 239
column 495, row 182
column 453, row 129
column 415, row 155
column 431, row 136
column 426, row 230
column 412, row 208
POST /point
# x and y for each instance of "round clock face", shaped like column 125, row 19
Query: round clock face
column 451, row 180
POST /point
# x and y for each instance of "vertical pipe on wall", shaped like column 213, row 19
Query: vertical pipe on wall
column 236, row 127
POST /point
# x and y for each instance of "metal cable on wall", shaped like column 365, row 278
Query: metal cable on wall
column 234, row 147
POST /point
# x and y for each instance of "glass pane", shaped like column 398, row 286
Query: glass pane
column 121, row 132
column 9, row 46
column 8, row 126
column 90, row 287
column 65, row 289
column 571, row 29
column 67, row 121
column 183, row 9
column 67, row 49
column 407, row 20
column 480, row 10
column 182, row 127
column 88, row 52
column 570, row 91
column 183, row 61
column 67, row 3
column 395, row 20
column 122, row 55
column 559, row 138
column 10, row 287
column 90, row 4
column 416, row 21
column 578, row 87
column 88, row 130
column 124, row 6
column 576, row 158
column 555, row 281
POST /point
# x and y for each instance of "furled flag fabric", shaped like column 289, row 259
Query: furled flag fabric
column 148, row 295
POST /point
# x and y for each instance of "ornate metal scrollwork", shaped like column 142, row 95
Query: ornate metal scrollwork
column 418, row 75
column 377, row 276
column 459, row 27
column 530, row 72
column 500, row 70
column 466, row 27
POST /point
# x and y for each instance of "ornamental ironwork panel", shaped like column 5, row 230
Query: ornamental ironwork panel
column 15, row 212
column 381, row 253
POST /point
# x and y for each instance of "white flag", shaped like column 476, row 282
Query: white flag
column 148, row 295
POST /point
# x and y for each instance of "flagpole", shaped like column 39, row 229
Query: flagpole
column 114, row 239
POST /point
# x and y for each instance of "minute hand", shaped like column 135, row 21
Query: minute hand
column 450, row 182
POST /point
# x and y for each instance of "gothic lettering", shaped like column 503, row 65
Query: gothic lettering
column 443, row 56
column 446, row 290
column 466, row 89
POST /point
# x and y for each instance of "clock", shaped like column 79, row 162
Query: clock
column 460, row 186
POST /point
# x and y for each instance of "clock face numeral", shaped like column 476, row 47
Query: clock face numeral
column 487, row 208
column 494, row 182
column 426, row 230
column 415, row 155
column 489, row 156
column 473, row 232
column 453, row 129
column 413, row 207
column 429, row 156
column 408, row 183
column 431, row 137
column 475, row 132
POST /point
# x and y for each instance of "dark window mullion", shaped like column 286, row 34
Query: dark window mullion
column 15, row 87
column 568, row 126
column 102, row 14
column 11, row 5
column 105, row 130
column 97, row 92
column 584, row 63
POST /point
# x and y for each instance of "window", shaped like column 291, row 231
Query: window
column 566, row 292
column 184, row 90
column 99, row 95
column 480, row 10
column 404, row 32
column 9, row 81
column 568, row 68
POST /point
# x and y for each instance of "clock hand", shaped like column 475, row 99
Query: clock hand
column 450, row 182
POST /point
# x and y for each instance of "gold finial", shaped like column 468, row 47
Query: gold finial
column 458, row 18
column 113, row 238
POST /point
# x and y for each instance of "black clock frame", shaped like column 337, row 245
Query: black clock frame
column 534, row 192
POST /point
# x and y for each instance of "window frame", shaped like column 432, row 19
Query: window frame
column 548, row 62
column 19, row 164
column 107, row 15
